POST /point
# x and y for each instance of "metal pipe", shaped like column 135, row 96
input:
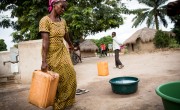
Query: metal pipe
column 11, row 61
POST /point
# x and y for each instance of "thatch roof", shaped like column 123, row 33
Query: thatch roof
column 145, row 34
column 88, row 45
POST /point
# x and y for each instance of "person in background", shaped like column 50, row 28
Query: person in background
column 55, row 56
column 110, row 49
column 77, row 50
column 103, row 49
column 116, row 49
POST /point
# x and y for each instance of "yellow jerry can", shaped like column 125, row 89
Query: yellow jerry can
column 102, row 68
column 43, row 88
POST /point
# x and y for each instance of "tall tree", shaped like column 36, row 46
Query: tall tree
column 173, row 11
column 154, row 14
column 83, row 16
column 28, row 12
column 4, row 21
column 3, row 46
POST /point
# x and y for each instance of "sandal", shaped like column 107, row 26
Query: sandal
column 81, row 91
column 120, row 66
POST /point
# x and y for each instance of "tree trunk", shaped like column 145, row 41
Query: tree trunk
column 156, row 21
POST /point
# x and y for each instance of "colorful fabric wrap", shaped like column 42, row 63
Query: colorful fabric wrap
column 52, row 1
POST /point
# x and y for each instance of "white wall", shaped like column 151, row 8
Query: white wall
column 29, row 59
column 14, row 53
column 5, row 69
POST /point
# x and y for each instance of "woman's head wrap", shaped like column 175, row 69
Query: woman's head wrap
column 53, row 1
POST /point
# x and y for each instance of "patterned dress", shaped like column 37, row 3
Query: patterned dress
column 59, row 61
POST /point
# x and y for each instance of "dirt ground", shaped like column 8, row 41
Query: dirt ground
column 152, row 69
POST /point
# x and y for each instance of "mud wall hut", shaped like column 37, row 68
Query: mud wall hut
column 88, row 48
column 141, row 40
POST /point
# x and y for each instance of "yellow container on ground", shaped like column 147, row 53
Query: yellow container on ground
column 103, row 69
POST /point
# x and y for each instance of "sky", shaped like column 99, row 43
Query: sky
column 5, row 33
column 123, row 32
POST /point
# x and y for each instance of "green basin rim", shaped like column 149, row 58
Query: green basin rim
column 136, row 81
column 166, row 96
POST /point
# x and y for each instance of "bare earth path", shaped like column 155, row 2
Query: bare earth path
column 152, row 69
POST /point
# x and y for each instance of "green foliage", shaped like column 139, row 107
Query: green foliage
column 104, row 40
column 176, row 29
column 5, row 23
column 3, row 46
column 90, row 17
column 161, row 39
column 83, row 17
column 29, row 13
column 173, row 43
column 173, row 13
column 153, row 15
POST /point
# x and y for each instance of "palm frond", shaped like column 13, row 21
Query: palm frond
column 162, row 10
column 125, row 11
column 156, row 10
column 163, row 20
column 139, row 19
column 160, row 2
column 150, row 19
column 149, row 3
column 134, row 18
column 137, row 11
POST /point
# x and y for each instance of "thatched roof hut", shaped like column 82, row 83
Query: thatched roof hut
column 88, row 46
column 145, row 35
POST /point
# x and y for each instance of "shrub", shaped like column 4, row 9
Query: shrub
column 161, row 39
column 3, row 46
column 174, row 43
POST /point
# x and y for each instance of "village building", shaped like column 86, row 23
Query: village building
column 88, row 48
column 141, row 40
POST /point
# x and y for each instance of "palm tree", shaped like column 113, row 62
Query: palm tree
column 154, row 14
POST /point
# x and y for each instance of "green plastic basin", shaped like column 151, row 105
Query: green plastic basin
column 124, row 85
column 170, row 94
